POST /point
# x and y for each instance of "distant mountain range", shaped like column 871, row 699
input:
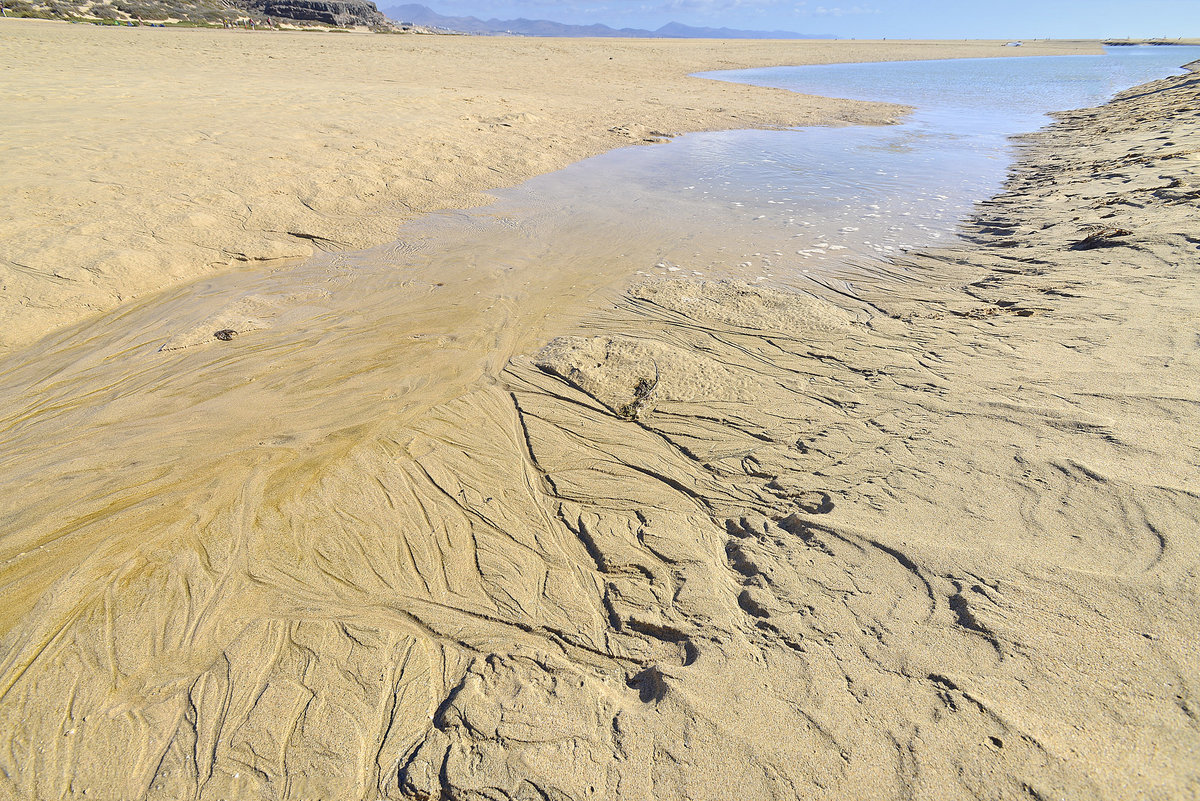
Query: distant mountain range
column 425, row 16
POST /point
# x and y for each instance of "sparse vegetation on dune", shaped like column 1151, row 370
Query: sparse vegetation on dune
column 303, row 14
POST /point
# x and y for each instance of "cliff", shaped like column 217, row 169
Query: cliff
column 338, row 13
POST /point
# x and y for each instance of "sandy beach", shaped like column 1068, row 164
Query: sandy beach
column 927, row 534
column 136, row 159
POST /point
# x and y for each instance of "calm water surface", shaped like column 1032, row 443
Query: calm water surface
column 882, row 189
column 777, row 205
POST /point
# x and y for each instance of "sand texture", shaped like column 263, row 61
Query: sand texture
column 933, row 538
column 137, row 159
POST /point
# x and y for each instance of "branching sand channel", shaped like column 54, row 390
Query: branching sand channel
column 934, row 538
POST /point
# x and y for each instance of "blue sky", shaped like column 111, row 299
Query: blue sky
column 942, row 19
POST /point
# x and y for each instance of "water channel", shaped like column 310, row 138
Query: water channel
column 127, row 422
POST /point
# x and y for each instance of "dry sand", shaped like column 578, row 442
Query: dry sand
column 935, row 538
column 135, row 159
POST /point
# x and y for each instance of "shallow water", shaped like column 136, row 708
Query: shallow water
column 783, row 205
column 878, row 190
column 139, row 421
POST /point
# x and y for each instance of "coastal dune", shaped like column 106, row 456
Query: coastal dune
column 925, row 532
column 137, row 159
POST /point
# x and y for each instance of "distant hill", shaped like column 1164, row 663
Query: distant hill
column 210, row 13
column 425, row 16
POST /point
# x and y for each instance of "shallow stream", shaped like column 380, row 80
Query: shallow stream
column 140, row 420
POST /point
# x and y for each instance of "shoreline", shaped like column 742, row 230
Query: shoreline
column 310, row 143
column 933, row 537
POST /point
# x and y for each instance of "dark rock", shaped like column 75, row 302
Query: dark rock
column 337, row 13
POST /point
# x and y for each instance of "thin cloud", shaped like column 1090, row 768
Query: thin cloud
column 651, row 13
column 837, row 11
column 627, row 6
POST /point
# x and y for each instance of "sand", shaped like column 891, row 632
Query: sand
column 402, row 537
column 136, row 159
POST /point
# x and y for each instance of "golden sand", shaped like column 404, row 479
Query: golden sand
column 465, row 532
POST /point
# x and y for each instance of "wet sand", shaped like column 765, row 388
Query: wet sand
column 932, row 536
column 137, row 159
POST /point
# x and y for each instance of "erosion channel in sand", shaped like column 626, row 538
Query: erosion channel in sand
column 934, row 538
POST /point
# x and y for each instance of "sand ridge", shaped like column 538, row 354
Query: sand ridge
column 137, row 159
